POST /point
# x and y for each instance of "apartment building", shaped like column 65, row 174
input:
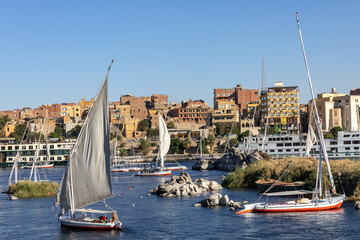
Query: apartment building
column 281, row 105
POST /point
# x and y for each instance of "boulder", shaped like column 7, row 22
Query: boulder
column 183, row 186
column 224, row 200
column 233, row 159
column 217, row 199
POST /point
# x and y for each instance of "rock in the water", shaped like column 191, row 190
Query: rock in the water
column 233, row 159
column 224, row 200
column 184, row 186
column 12, row 197
column 212, row 200
column 197, row 205
column 217, row 199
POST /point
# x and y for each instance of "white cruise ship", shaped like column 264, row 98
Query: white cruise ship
column 59, row 153
column 347, row 145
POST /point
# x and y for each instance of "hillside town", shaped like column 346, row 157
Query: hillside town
column 236, row 111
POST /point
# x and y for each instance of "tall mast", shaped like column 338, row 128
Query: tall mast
column 72, row 201
column 316, row 115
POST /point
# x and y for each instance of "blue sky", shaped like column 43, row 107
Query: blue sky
column 58, row 51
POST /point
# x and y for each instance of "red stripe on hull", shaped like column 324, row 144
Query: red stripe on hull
column 165, row 174
column 300, row 209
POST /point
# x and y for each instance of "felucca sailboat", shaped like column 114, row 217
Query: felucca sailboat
column 164, row 145
column 306, row 200
column 87, row 179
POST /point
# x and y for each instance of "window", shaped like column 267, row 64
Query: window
column 23, row 147
column 280, row 144
column 272, row 150
column 51, row 158
column 280, row 150
column 58, row 158
column 287, row 144
column 16, row 147
column 347, row 142
column 347, row 148
column 296, row 149
column 288, row 150
column 51, row 146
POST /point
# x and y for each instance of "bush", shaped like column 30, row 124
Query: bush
column 28, row 189
column 304, row 170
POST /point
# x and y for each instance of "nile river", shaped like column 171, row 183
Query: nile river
column 152, row 217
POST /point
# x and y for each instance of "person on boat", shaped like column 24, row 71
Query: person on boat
column 114, row 217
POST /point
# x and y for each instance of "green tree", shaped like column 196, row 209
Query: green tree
column 171, row 124
column 153, row 132
column 113, row 135
column 223, row 128
column 3, row 120
column 210, row 141
column 57, row 133
column 328, row 135
column 144, row 146
column 144, row 125
column 74, row 133
column 175, row 145
column 234, row 142
column 19, row 131
column 243, row 135
column 123, row 152
column 334, row 131
column 203, row 146
column 186, row 144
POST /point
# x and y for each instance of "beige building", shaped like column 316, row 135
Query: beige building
column 70, row 110
column 8, row 129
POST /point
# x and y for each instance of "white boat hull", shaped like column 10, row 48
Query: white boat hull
column 88, row 224
column 292, row 206
column 39, row 166
column 154, row 173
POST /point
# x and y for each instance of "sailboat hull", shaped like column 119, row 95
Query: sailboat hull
column 151, row 173
column 335, row 203
column 88, row 224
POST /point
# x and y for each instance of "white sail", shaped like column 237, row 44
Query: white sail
column 87, row 179
column 310, row 141
column 164, row 139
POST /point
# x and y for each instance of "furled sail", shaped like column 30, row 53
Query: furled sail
column 310, row 141
column 89, row 165
column 164, row 139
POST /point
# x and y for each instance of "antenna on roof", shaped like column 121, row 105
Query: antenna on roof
column 263, row 78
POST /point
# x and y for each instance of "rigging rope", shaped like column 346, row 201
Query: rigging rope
column 283, row 175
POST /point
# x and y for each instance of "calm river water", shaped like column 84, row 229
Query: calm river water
column 152, row 217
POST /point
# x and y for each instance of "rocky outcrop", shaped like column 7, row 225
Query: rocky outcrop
column 217, row 199
column 184, row 186
column 232, row 160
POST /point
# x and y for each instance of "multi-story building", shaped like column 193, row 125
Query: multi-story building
column 338, row 109
column 281, row 105
column 43, row 126
column 138, row 107
column 14, row 115
column 71, row 110
column 225, row 111
column 196, row 111
column 159, row 101
column 240, row 96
